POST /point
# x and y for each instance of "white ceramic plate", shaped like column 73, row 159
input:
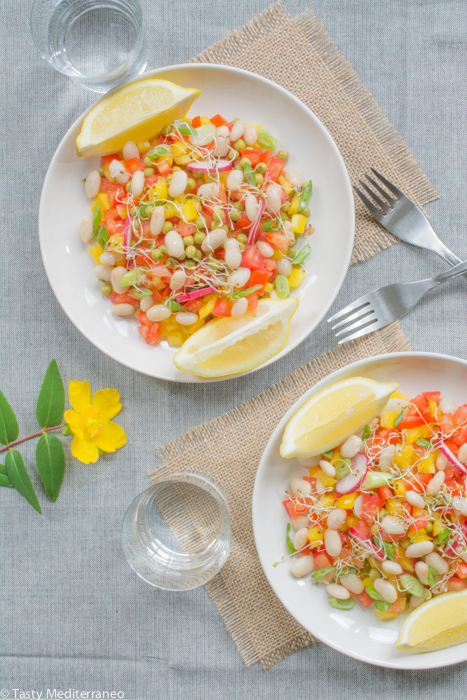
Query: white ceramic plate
column 358, row 632
column 233, row 93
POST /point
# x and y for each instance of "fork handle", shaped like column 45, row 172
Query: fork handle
column 450, row 257
column 453, row 272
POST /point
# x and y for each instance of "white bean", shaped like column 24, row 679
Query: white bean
column 273, row 294
column 463, row 556
column 302, row 566
column 115, row 277
column 186, row 318
column 86, row 229
column 146, row 303
column 460, row 505
column 238, row 130
column 137, row 183
column 265, row 249
column 435, row 483
column 273, row 197
column 233, row 259
column 419, row 549
column 209, row 190
column 292, row 176
column 352, row 582
column 178, row 183
column 177, row 280
column 117, row 170
column 437, row 562
column 298, row 485
column 250, row 135
column 386, row 457
column 158, row 312
column 157, row 220
column 223, row 131
column 174, row 244
column 336, row 518
column 300, row 522
column 130, row 150
column 351, row 447
column 284, row 267
column 214, row 239
column 392, row 567
column 421, row 569
column 222, row 146
column 108, row 259
column 416, row 601
column 447, row 406
column 300, row 538
column 122, row 309
column 441, row 462
column 239, row 308
column 103, row 272
column 337, row 591
column 415, row 499
column 327, row 468
column 231, row 244
column 92, row 184
column 234, row 180
column 386, row 590
column 332, row 543
column 251, row 207
column 392, row 525
column 357, row 506
column 240, row 277
column 462, row 454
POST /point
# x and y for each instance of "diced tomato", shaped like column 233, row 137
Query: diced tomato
column 462, row 570
column 397, row 607
column 419, row 523
column 391, row 538
column 294, row 510
column 451, row 472
column 132, row 165
column 431, row 396
column 364, row 598
column 409, row 422
column 391, row 436
column 110, row 214
column 454, row 447
column 164, row 167
column 311, row 480
column 270, row 264
column 252, row 154
column 258, row 277
column 460, row 415
column 460, row 437
column 185, row 229
column 194, row 305
column 151, row 180
column 151, row 334
column 456, row 584
column 243, row 223
column 363, row 529
column 419, row 484
column 108, row 159
column 143, row 319
column 252, row 259
column 385, row 492
column 420, row 402
column 321, row 560
column 370, row 506
column 222, row 307
column 446, row 423
column 252, row 303
column 373, row 445
column 275, row 166
column 279, row 241
column 196, row 122
column 124, row 299
column 217, row 120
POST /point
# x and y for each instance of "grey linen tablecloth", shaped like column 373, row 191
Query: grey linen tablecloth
column 73, row 615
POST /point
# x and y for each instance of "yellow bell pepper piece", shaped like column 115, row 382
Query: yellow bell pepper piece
column 315, row 534
column 182, row 160
column 170, row 211
column 385, row 615
column 196, row 326
column 351, row 520
column 268, row 287
column 346, row 501
column 299, row 223
column 189, row 212
column 437, row 528
column 406, row 564
column 277, row 255
column 313, row 470
column 394, row 507
column 421, row 538
column 388, row 418
column 288, row 187
column 427, row 466
column 179, row 148
column 158, row 190
column 324, row 479
column 175, row 339
column 368, row 581
column 434, row 409
column 327, row 499
column 143, row 146
column 297, row 277
column 418, row 512
column 399, row 488
column 207, row 308
column 96, row 252
column 403, row 457
column 294, row 205
column 399, row 395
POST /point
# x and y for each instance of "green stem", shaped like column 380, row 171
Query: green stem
column 29, row 437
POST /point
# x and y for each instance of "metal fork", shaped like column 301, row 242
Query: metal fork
column 403, row 218
column 385, row 305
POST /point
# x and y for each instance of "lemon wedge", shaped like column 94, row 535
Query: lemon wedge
column 437, row 624
column 230, row 345
column 137, row 111
column 331, row 415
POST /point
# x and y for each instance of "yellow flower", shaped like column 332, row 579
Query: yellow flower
column 91, row 423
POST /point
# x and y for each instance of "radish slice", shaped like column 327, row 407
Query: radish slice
column 357, row 506
column 353, row 481
column 194, row 295
column 451, row 456
column 369, row 546
column 206, row 166
column 126, row 235
column 254, row 227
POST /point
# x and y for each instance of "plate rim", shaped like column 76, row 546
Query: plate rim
column 191, row 379
column 333, row 376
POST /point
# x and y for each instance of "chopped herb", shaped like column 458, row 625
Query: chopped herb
column 185, row 128
column 328, row 455
column 389, row 550
column 246, row 292
column 399, row 417
column 174, row 305
column 444, row 536
column 140, row 295
column 288, row 541
column 102, row 236
column 373, row 593
column 96, row 218
column 411, row 584
column 157, row 152
column 366, row 432
column 266, row 140
column 424, row 443
column 271, row 225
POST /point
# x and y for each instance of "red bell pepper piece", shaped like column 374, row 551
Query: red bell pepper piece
column 217, row 120
column 258, row 277
column 196, row 122
column 252, row 154
column 133, row 165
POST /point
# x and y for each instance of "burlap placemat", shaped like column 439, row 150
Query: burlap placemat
column 297, row 54
column 228, row 449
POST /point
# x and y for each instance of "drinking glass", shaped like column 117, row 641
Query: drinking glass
column 99, row 43
column 176, row 535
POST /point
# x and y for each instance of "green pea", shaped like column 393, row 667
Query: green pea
column 175, row 168
column 133, row 211
column 190, row 251
column 241, row 247
column 135, row 314
column 190, row 264
column 244, row 161
column 171, row 262
column 235, row 215
column 156, row 254
column 239, row 145
column 226, row 228
column 148, row 172
column 214, row 225
column 199, row 255
column 196, row 175
column 239, row 206
column 190, row 184
column 148, row 162
column 306, row 212
column 199, row 237
column 148, row 210
column 136, row 225
column 106, row 290
column 188, row 240
column 168, row 179
column 291, row 253
column 242, row 238
column 285, row 206
column 374, row 574
column 283, row 155
column 168, row 226
column 128, row 186
column 165, row 131
column 181, row 257
column 233, row 154
column 199, row 222
column 238, row 167
column 101, row 172
column 259, row 179
column 261, row 168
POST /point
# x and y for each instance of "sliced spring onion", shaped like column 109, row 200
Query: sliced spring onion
column 185, row 128
column 424, row 443
column 96, row 218
column 382, row 605
column 301, row 255
column 366, row 433
column 318, row 575
column 157, row 152
column 411, row 584
column 341, row 604
column 288, row 541
column 271, row 225
column 174, row 305
column 246, row 292
column 374, row 480
column 389, row 550
column 266, row 140
column 249, row 174
column 140, row 295
column 281, row 284
column 373, row 593
column 432, row 576
column 342, row 468
column 399, row 417
column 102, row 236
column 328, row 455
column 131, row 277
column 305, row 196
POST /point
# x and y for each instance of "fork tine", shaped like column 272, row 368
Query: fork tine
column 375, row 197
column 358, row 314
column 369, row 205
column 389, row 199
column 392, row 188
column 358, row 324
column 350, row 307
column 363, row 331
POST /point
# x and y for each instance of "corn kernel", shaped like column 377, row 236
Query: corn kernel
column 351, row 520
column 388, row 418
column 277, row 255
column 367, row 581
column 421, row 538
column 298, row 223
column 297, row 277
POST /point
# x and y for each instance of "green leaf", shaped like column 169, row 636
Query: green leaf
column 382, row 605
column 102, row 236
column 373, row 593
column 9, row 429
column 5, row 480
column 96, row 218
column 444, row 535
column 318, row 575
column 51, row 401
column 19, row 477
column 341, row 604
column 389, row 550
column 288, row 541
column 50, row 458
column 2, row 469
column 432, row 576
column 424, row 443
column 174, row 305
column 366, row 433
